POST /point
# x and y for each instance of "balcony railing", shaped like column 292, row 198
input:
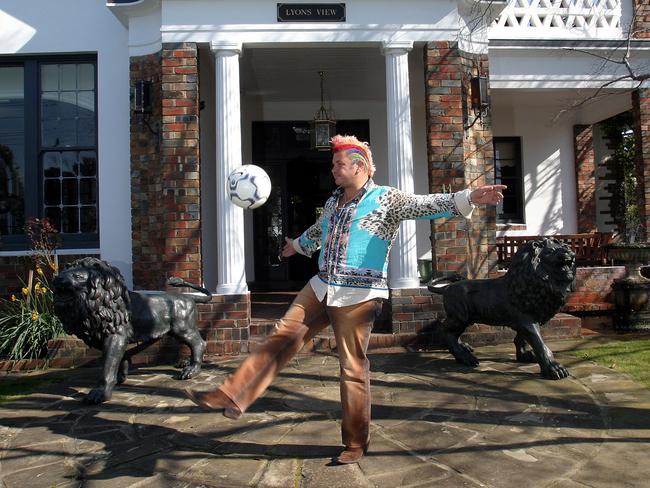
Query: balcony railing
column 552, row 19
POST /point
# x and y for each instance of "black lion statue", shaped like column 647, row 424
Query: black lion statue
column 536, row 285
column 92, row 300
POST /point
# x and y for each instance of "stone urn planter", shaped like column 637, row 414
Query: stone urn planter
column 631, row 293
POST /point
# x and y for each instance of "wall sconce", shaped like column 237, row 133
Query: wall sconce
column 323, row 127
column 479, row 96
column 141, row 102
column 141, row 97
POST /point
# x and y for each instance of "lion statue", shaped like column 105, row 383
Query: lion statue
column 93, row 302
column 536, row 285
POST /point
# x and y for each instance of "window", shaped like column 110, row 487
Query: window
column 48, row 148
column 507, row 166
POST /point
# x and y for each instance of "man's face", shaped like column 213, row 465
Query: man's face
column 344, row 171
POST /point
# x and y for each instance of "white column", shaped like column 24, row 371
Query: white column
column 403, row 258
column 231, row 274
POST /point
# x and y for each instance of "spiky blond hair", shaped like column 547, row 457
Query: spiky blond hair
column 354, row 146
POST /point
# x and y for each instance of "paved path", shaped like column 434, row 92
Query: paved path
column 435, row 423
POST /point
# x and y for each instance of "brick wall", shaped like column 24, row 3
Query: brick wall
column 641, row 116
column 585, row 168
column 165, row 170
column 411, row 310
column 225, row 323
column 180, row 161
column 458, row 157
column 593, row 292
column 641, row 27
column 147, row 211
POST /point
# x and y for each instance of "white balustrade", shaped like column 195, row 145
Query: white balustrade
column 548, row 19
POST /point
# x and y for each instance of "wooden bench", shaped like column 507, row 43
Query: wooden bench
column 588, row 247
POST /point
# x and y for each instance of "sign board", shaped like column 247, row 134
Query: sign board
column 311, row 12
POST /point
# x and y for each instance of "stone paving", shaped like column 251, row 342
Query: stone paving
column 435, row 423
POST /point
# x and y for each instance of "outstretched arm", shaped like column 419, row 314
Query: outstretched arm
column 307, row 243
column 487, row 195
column 288, row 249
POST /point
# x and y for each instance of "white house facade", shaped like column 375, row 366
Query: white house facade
column 120, row 121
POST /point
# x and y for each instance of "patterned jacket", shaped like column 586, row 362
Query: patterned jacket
column 355, row 240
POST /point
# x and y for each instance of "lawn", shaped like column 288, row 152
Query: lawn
column 627, row 356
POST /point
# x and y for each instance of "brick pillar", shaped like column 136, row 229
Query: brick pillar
column 585, row 168
column 641, row 26
column 641, row 116
column 459, row 158
column 180, row 162
column 165, row 184
column 165, row 170
column 147, row 217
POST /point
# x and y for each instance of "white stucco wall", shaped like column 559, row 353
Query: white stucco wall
column 87, row 26
column 255, row 21
column 546, row 134
column 547, row 158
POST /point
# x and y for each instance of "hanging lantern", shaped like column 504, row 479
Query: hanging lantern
column 323, row 127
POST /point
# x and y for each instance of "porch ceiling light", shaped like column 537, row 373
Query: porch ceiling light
column 323, row 127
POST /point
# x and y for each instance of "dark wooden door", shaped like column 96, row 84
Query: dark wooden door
column 302, row 182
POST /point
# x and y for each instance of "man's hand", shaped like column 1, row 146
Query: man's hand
column 288, row 249
column 487, row 195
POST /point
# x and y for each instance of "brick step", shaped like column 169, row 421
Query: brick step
column 603, row 307
column 561, row 326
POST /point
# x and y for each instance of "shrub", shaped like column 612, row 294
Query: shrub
column 27, row 321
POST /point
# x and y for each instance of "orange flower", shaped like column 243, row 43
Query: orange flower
column 25, row 291
column 13, row 298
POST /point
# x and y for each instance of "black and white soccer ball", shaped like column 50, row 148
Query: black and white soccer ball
column 249, row 186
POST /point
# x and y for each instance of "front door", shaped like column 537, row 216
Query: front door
column 302, row 182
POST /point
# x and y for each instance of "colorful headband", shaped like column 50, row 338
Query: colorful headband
column 343, row 147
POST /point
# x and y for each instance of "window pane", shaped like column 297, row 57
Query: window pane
column 88, row 219
column 52, row 192
column 88, row 163
column 12, row 150
column 52, row 164
column 70, row 220
column 85, row 77
column 69, row 164
column 70, row 191
column 67, row 77
column 86, row 132
column 508, row 172
column 77, row 195
column 54, row 214
column 50, row 119
column 86, row 102
column 505, row 150
column 87, row 191
column 50, row 77
column 67, row 111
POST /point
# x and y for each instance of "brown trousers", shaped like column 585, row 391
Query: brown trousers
column 303, row 320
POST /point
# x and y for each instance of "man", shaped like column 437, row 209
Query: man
column 354, row 234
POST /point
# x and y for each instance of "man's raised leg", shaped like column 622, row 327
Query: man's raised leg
column 305, row 317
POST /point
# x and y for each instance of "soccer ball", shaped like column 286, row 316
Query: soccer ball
column 249, row 186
